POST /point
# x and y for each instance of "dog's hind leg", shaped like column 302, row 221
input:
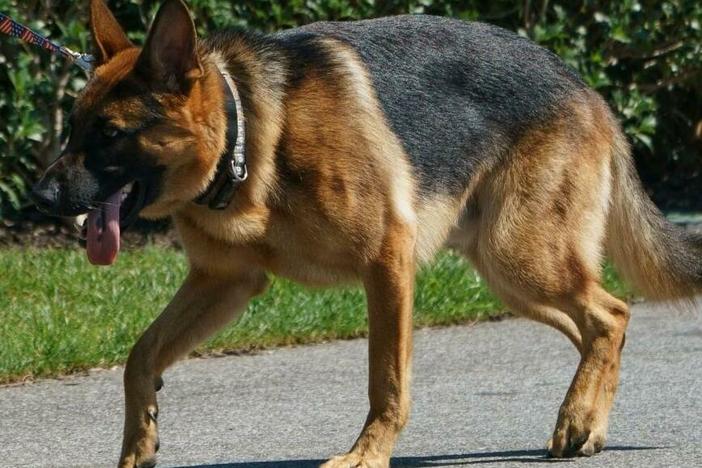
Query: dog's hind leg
column 595, row 322
column 389, row 284
column 204, row 303
column 538, row 240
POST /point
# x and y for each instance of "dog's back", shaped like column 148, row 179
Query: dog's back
column 455, row 93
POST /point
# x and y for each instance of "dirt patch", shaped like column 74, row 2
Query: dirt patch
column 31, row 229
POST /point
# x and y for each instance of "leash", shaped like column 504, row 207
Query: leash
column 14, row 29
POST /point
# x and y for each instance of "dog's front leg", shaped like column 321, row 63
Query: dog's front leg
column 389, row 284
column 204, row 304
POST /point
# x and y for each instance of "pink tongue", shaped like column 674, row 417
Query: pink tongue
column 103, row 231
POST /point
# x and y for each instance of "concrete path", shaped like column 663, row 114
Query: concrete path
column 483, row 395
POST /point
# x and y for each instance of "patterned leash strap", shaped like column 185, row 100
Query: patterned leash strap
column 12, row 28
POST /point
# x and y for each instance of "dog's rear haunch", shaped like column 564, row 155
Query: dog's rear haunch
column 370, row 145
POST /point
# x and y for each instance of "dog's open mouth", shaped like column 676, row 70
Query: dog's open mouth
column 103, row 226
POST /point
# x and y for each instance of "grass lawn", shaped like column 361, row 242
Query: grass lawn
column 59, row 314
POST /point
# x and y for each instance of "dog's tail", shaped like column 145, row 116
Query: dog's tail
column 661, row 260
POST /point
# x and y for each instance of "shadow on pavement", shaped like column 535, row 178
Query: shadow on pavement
column 517, row 456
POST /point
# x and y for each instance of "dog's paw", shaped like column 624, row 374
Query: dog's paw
column 575, row 438
column 595, row 444
column 140, row 447
column 129, row 462
column 354, row 460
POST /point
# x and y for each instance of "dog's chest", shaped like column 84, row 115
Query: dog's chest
column 303, row 250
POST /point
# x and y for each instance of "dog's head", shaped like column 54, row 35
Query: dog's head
column 137, row 130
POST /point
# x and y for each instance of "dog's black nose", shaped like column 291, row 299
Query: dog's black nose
column 45, row 194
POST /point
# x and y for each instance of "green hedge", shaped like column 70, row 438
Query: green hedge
column 645, row 57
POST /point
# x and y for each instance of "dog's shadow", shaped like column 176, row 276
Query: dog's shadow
column 514, row 456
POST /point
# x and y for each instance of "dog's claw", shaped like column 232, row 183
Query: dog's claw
column 584, row 445
column 577, row 443
column 150, row 463
column 574, row 446
column 153, row 414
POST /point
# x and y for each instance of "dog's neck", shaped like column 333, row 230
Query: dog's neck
column 260, row 73
column 231, row 170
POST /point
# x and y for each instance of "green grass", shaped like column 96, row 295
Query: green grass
column 58, row 314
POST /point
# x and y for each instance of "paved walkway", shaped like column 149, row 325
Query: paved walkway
column 485, row 395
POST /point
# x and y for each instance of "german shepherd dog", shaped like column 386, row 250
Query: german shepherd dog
column 369, row 145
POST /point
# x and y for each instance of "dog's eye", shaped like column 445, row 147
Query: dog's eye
column 111, row 132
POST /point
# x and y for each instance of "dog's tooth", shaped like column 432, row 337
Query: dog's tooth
column 79, row 222
column 126, row 190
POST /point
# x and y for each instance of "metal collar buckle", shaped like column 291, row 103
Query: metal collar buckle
column 239, row 171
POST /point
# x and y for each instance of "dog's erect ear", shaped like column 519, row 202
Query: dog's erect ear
column 108, row 35
column 170, row 53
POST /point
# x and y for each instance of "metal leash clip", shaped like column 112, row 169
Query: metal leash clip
column 84, row 61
